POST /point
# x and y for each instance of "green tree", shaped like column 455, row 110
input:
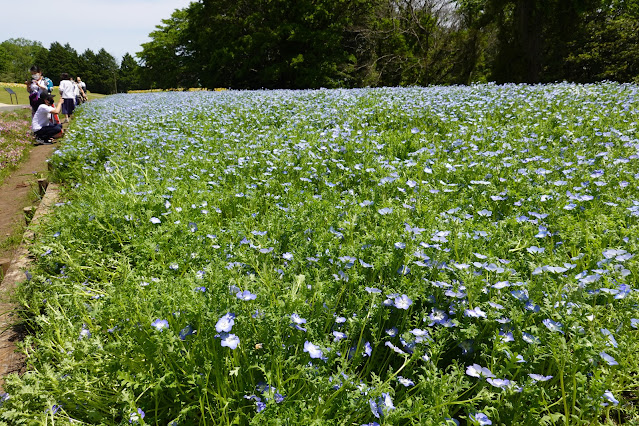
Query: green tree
column 607, row 45
column 128, row 74
column 409, row 42
column 57, row 60
column 21, row 54
column 88, row 69
column 253, row 43
column 105, row 71
column 168, row 59
column 4, row 62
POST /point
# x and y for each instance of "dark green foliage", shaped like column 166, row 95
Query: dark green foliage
column 57, row 60
column 252, row 44
column 17, row 58
column 129, row 74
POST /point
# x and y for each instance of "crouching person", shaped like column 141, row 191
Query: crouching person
column 42, row 125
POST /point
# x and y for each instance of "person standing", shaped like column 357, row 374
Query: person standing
column 41, row 123
column 83, row 91
column 67, row 93
column 36, row 88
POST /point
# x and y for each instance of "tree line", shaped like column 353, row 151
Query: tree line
column 353, row 43
column 249, row 44
column 100, row 71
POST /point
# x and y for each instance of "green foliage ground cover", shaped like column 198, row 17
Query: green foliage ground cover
column 398, row 256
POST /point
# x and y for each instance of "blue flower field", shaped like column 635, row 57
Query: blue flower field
column 391, row 256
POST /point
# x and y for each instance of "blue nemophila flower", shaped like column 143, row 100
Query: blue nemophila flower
column 225, row 323
column 372, row 290
column 477, row 370
column 155, row 220
column 287, row 256
column 634, row 322
column 403, row 270
column 385, row 211
column 543, row 232
column 611, row 341
column 365, row 265
column 403, row 302
column 609, row 359
column 338, row 336
column 400, row 245
column 485, row 213
column 383, row 403
column 297, row 319
column 506, row 336
column 54, row 409
column 192, row 226
column 529, row 338
column 530, row 306
column 405, row 382
column 229, row 340
column 420, row 335
column 392, row 331
column 521, row 295
column 160, row 324
column 368, row 350
column 395, row 348
column 553, row 325
column 499, row 383
column 539, row 377
column 535, row 249
column 314, row 351
column 137, row 416
column 246, row 295
column 480, row 418
column 201, row 289
column 185, row 332
column 519, row 358
column 610, row 397
column 441, row 318
column 85, row 333
column 475, row 313
column 377, row 412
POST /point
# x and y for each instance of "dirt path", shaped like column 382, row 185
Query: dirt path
column 19, row 190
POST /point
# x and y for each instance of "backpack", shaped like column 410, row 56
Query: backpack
column 49, row 83
column 33, row 97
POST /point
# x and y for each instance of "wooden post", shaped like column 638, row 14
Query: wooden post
column 42, row 186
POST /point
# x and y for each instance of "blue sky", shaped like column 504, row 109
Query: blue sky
column 119, row 26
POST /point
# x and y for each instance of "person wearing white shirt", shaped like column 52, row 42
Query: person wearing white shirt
column 67, row 93
column 83, row 91
column 41, row 121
